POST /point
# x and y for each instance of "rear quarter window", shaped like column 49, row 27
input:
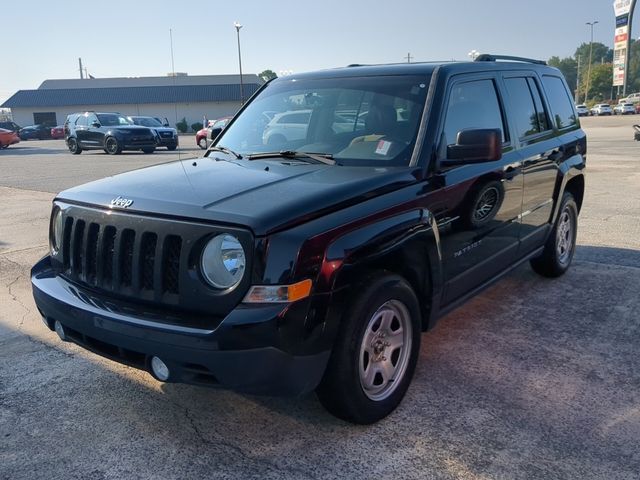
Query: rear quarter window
column 560, row 102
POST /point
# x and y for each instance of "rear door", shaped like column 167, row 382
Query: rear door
column 539, row 147
column 81, row 130
column 478, row 216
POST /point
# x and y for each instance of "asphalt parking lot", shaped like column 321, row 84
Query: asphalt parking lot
column 534, row 378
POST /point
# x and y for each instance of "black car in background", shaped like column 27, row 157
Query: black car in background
column 167, row 136
column 14, row 127
column 32, row 132
column 111, row 132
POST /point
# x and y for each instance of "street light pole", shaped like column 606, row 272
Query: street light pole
column 238, row 27
column 586, row 94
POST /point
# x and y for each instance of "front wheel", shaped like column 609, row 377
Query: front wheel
column 375, row 354
column 171, row 148
column 561, row 245
column 74, row 148
column 202, row 143
column 149, row 150
column 112, row 147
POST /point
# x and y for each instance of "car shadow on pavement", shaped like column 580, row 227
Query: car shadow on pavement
column 21, row 149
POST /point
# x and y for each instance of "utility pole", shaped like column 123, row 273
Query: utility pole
column 408, row 57
column 80, row 65
column 578, row 82
column 238, row 27
column 586, row 93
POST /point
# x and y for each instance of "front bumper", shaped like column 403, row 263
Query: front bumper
column 168, row 142
column 240, row 352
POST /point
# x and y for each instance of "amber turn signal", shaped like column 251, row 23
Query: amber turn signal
column 279, row 293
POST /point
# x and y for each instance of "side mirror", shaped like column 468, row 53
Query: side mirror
column 95, row 124
column 477, row 145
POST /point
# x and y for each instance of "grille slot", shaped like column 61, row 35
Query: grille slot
column 77, row 248
column 92, row 253
column 108, row 252
column 147, row 260
column 126, row 257
column 171, row 264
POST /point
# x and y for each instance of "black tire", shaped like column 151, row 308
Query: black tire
column 112, row 146
column 149, row 150
column 73, row 146
column 171, row 148
column 556, row 259
column 341, row 390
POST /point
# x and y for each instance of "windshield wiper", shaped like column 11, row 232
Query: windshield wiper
column 325, row 158
column 220, row 148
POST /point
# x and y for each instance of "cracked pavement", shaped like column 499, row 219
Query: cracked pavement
column 534, row 378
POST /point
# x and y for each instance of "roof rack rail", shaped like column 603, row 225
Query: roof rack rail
column 487, row 57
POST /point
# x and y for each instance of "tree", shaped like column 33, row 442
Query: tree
column 633, row 81
column 601, row 82
column 569, row 68
column 601, row 54
column 267, row 75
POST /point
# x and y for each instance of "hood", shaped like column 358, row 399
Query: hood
column 262, row 195
column 131, row 129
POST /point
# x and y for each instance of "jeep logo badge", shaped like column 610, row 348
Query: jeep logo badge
column 121, row 202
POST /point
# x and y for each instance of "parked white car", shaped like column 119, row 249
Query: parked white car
column 624, row 109
column 286, row 127
column 602, row 109
column 631, row 98
column 583, row 111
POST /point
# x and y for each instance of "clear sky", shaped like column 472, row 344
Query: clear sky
column 44, row 38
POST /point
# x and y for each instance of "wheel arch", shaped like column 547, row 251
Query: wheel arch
column 406, row 245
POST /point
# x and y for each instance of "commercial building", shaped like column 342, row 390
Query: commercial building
column 173, row 97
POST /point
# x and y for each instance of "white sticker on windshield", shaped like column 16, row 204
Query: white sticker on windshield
column 383, row 147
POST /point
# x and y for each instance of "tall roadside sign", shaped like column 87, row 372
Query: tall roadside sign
column 622, row 42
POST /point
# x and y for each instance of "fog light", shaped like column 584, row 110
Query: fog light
column 60, row 331
column 159, row 369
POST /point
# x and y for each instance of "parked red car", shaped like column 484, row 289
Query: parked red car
column 7, row 137
column 57, row 132
column 214, row 127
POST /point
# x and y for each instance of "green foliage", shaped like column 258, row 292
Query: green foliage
column 601, row 53
column 267, row 75
column 601, row 82
column 182, row 126
column 196, row 126
column 569, row 68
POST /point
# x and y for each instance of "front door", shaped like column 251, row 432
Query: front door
column 481, row 202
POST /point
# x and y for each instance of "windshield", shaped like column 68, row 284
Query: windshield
column 112, row 120
column 146, row 121
column 357, row 120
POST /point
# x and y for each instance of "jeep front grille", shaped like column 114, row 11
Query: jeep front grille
column 121, row 261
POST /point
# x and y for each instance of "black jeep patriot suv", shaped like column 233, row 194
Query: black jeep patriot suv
column 314, row 264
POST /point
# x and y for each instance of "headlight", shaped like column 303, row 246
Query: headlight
column 223, row 261
column 55, row 235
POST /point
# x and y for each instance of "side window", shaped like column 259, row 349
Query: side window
column 559, row 101
column 81, row 121
column 543, row 117
column 527, row 106
column 472, row 105
column 91, row 119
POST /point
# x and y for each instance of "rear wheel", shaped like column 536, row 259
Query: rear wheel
column 560, row 247
column 111, row 146
column 375, row 353
column 171, row 148
column 73, row 146
column 202, row 143
column 149, row 150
